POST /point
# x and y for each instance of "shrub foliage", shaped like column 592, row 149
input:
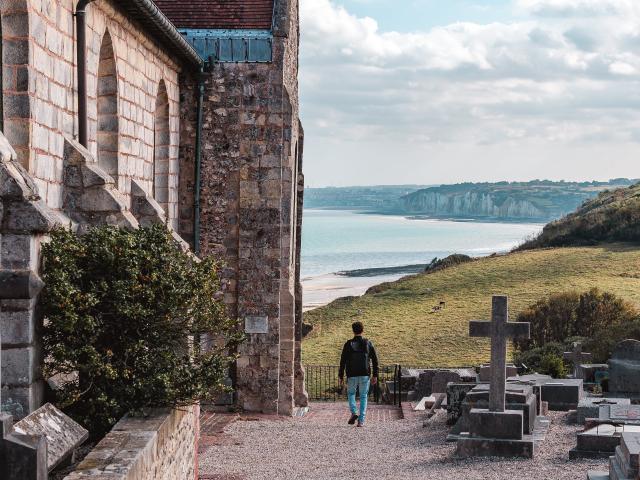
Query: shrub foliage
column 599, row 319
column 614, row 216
column 127, row 315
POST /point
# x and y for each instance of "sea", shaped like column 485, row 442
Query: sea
column 335, row 241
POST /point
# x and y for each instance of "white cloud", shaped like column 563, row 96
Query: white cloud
column 570, row 80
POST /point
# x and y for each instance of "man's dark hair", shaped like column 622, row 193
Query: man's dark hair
column 357, row 328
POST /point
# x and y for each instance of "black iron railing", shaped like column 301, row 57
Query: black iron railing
column 323, row 384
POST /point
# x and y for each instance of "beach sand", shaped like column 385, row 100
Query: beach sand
column 322, row 290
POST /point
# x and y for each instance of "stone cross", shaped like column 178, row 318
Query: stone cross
column 499, row 329
column 577, row 357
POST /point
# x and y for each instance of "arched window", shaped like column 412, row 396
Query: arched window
column 108, row 108
column 162, row 142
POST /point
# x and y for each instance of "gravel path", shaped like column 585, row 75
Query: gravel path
column 324, row 447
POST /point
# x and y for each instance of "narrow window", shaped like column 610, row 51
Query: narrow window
column 162, row 141
column 108, row 109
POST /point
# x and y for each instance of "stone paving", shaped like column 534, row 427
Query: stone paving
column 393, row 445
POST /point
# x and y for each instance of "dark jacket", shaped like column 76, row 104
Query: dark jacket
column 352, row 355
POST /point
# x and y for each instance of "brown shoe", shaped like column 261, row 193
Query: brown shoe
column 353, row 419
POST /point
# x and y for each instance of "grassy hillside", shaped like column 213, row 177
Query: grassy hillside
column 399, row 321
column 612, row 216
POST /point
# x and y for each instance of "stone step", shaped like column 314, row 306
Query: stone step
column 593, row 475
column 621, row 462
column 630, row 446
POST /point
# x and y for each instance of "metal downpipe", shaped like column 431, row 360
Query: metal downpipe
column 81, row 51
column 198, row 166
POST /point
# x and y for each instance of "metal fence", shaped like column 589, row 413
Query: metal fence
column 322, row 384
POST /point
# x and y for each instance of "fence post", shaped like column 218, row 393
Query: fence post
column 399, row 385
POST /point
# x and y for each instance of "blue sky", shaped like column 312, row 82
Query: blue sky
column 420, row 15
column 446, row 91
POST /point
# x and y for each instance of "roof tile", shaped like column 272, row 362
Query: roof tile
column 214, row 14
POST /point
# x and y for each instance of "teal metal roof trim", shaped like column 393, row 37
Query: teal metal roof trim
column 231, row 46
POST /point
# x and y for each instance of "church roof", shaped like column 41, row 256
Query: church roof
column 219, row 14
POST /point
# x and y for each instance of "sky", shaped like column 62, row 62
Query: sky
column 447, row 91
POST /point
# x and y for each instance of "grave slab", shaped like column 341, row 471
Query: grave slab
column 600, row 441
column 62, row 434
column 502, row 425
column 563, row 395
column 589, row 407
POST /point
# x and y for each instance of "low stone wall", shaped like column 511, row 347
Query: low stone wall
column 162, row 446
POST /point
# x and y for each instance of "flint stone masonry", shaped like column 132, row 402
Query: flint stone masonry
column 624, row 370
column 162, row 446
column 250, row 211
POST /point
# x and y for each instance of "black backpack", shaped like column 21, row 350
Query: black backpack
column 359, row 356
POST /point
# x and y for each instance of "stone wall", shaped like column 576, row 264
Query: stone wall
column 40, row 92
column 162, row 446
column 249, row 213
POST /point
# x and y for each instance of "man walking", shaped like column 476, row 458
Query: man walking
column 358, row 354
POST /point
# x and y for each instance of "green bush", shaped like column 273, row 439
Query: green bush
column 541, row 360
column 128, row 315
column 553, row 365
column 599, row 319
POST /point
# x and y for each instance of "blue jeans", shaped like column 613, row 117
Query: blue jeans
column 362, row 384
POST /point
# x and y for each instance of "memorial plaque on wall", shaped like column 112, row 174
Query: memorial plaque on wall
column 256, row 325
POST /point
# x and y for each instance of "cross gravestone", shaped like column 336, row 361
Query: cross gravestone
column 496, row 431
column 577, row 357
column 499, row 329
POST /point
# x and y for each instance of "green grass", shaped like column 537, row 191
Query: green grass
column 400, row 323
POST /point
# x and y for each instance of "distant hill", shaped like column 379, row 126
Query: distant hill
column 377, row 198
column 539, row 200
column 613, row 216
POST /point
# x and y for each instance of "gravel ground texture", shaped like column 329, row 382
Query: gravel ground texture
column 325, row 447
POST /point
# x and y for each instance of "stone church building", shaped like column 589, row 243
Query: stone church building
column 130, row 112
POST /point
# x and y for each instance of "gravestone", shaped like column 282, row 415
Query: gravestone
column 620, row 414
column 624, row 465
column 577, row 357
column 38, row 443
column 562, row 395
column 589, row 408
column 496, row 431
column 456, row 393
column 593, row 372
column 432, row 381
column 518, row 397
column 600, row 441
column 624, row 370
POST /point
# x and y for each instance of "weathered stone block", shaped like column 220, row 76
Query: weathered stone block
column 562, row 395
column 502, row 425
column 20, row 366
column 482, row 447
